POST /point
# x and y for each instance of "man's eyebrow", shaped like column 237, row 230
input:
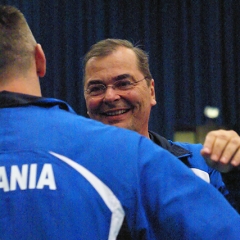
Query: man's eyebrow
column 122, row 76
column 94, row 82
column 117, row 78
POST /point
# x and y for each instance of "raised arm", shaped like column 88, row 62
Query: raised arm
column 221, row 150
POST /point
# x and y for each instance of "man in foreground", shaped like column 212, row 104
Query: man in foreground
column 66, row 177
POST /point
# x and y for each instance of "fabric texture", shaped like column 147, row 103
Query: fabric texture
column 189, row 154
column 61, row 174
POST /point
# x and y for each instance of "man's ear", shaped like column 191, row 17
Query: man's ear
column 40, row 61
column 153, row 96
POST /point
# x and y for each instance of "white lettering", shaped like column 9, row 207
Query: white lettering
column 3, row 179
column 47, row 178
column 27, row 177
column 18, row 177
column 33, row 176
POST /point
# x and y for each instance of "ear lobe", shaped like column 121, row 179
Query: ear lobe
column 40, row 61
column 153, row 97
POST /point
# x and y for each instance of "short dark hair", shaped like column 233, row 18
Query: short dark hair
column 16, row 40
column 107, row 46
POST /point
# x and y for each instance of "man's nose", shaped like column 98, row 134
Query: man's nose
column 111, row 94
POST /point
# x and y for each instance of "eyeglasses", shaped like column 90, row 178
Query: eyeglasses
column 124, row 84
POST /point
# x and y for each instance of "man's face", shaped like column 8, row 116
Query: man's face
column 126, row 108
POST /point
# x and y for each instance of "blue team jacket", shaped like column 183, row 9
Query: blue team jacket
column 190, row 155
column 63, row 176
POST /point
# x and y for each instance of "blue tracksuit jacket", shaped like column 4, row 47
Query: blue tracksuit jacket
column 190, row 155
column 63, row 176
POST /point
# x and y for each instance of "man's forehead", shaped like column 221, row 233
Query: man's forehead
column 121, row 61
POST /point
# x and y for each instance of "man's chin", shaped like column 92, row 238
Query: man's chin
column 118, row 124
column 125, row 126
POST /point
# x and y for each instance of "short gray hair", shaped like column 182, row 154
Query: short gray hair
column 107, row 46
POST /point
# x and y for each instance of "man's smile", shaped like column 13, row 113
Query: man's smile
column 115, row 113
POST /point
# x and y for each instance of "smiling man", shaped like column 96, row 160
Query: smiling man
column 126, row 95
column 119, row 90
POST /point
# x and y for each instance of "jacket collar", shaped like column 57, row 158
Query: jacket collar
column 176, row 150
column 11, row 99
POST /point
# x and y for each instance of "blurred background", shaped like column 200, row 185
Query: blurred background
column 193, row 47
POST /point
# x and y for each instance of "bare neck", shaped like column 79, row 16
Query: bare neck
column 20, row 86
column 28, row 84
column 145, row 134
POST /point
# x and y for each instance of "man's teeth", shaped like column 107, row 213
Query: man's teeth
column 116, row 112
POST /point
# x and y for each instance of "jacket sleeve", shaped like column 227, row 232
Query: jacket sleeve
column 180, row 205
column 197, row 161
column 225, row 184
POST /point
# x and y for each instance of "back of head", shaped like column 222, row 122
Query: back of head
column 107, row 46
column 17, row 44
